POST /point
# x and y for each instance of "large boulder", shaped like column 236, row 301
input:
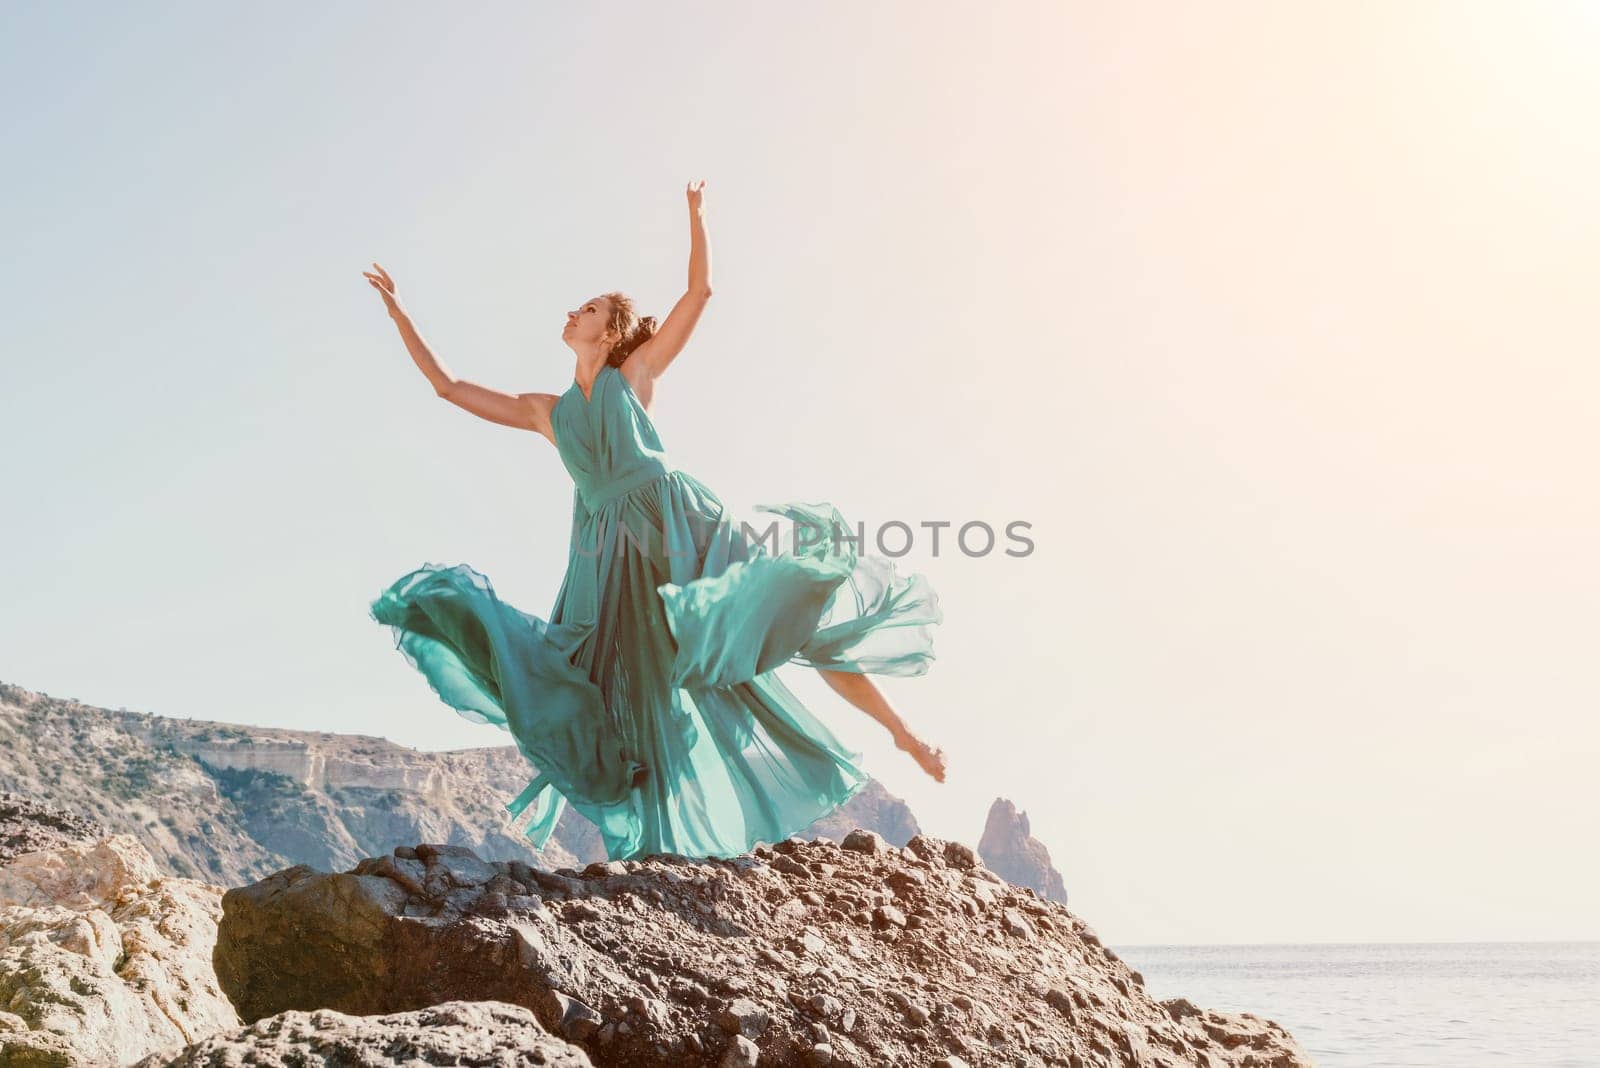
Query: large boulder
column 854, row 953
column 103, row 958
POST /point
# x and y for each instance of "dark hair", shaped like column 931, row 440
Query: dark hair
column 634, row 331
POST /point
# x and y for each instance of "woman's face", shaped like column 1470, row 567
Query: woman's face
column 587, row 323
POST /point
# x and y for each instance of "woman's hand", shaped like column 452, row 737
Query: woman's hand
column 385, row 287
column 694, row 192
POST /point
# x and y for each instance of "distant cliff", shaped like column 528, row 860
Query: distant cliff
column 229, row 804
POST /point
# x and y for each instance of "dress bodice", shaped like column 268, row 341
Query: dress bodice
column 608, row 441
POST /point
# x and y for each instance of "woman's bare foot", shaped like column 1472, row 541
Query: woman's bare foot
column 930, row 757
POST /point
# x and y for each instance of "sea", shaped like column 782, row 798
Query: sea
column 1401, row 1005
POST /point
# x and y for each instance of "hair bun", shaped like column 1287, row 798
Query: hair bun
column 636, row 330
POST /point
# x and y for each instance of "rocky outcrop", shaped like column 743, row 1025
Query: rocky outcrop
column 28, row 825
column 807, row 952
column 822, row 952
column 485, row 1033
column 103, row 958
column 1009, row 848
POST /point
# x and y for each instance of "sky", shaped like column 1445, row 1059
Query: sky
column 1274, row 322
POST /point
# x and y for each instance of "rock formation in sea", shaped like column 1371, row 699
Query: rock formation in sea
column 1009, row 848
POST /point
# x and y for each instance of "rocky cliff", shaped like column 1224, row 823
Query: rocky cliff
column 103, row 957
column 230, row 804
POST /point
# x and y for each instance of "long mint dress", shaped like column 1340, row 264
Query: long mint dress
column 649, row 700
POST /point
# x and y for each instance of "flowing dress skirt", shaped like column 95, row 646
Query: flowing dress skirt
column 648, row 700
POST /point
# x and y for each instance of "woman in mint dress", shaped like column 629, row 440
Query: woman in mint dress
column 648, row 698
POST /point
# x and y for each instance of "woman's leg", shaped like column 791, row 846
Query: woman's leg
column 862, row 692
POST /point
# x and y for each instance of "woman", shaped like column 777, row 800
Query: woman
column 648, row 700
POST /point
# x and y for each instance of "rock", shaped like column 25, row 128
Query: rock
column 864, row 841
column 790, row 866
column 743, row 1017
column 329, row 927
column 1016, row 925
column 28, row 825
column 962, row 856
column 907, row 881
column 456, row 1032
column 103, row 958
column 571, row 1018
column 741, row 1053
column 1179, row 1008
column 925, row 848
column 825, row 1005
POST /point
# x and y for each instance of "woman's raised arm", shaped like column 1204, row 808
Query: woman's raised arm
column 673, row 334
column 525, row 411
